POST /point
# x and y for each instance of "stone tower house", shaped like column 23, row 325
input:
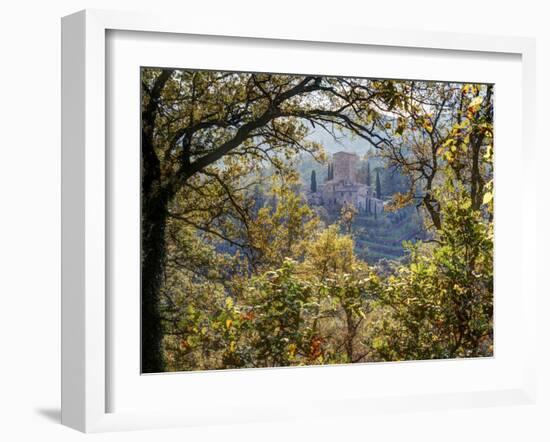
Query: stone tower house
column 344, row 188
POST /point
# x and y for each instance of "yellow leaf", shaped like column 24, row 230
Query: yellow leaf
column 475, row 104
column 292, row 349
column 489, row 154
column 466, row 88
column 487, row 197
column 228, row 323
column 229, row 303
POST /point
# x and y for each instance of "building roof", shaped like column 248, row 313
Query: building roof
column 342, row 152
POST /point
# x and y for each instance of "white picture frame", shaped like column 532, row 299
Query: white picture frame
column 85, row 200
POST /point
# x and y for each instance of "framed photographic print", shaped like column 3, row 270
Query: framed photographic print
column 251, row 213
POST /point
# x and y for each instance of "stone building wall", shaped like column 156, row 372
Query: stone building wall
column 345, row 165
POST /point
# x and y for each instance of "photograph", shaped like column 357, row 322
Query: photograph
column 293, row 220
column 285, row 221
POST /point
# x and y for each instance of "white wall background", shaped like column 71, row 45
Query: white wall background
column 30, row 216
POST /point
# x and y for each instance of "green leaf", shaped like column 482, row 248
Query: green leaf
column 466, row 204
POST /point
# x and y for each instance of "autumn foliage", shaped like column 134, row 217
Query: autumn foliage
column 239, row 271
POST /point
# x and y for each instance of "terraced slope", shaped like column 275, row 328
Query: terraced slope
column 380, row 238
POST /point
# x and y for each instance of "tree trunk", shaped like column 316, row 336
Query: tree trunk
column 154, row 206
column 350, row 335
column 153, row 249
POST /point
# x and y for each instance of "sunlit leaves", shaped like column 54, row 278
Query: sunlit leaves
column 440, row 306
column 475, row 104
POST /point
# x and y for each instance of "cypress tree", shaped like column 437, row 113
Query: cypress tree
column 378, row 189
column 313, row 182
column 368, row 174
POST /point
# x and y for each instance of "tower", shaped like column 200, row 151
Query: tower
column 344, row 166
